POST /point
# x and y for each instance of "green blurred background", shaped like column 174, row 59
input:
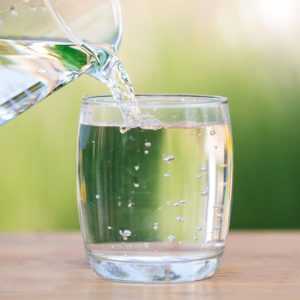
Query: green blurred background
column 246, row 50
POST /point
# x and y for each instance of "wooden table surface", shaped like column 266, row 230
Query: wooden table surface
column 256, row 265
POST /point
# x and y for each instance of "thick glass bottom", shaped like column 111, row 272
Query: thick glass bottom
column 149, row 270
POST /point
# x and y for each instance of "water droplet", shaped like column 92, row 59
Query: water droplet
column 198, row 176
column 97, row 197
column 155, row 226
column 203, row 169
column 171, row 238
column 146, row 245
column 204, row 192
column 195, row 238
column 147, row 144
column 167, row 174
column 137, row 167
column 168, row 158
column 146, row 152
column 32, row 7
column 125, row 234
column 109, row 227
column 212, row 132
column 136, row 185
column 119, row 203
column 180, row 219
column 199, row 228
column 13, row 11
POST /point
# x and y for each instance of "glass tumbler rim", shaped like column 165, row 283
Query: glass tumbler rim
column 159, row 100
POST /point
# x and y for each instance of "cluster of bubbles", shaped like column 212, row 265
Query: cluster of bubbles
column 14, row 9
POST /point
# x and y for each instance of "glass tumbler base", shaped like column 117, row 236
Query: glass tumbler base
column 164, row 271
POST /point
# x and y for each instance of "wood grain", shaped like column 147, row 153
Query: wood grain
column 256, row 265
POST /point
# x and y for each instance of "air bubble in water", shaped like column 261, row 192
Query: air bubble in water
column 180, row 219
column 167, row 174
column 119, row 203
column 198, row 176
column 171, row 238
column 203, row 169
column 97, row 197
column 146, row 245
column 212, row 132
column 109, row 227
column 137, row 167
column 130, row 203
column 123, row 130
column 179, row 203
column 199, row 228
column 136, row 185
column 168, row 158
column 125, row 234
column 147, row 144
column 155, row 226
column 204, row 192
column 13, row 11
column 146, row 152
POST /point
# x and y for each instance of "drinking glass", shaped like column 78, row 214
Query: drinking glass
column 154, row 192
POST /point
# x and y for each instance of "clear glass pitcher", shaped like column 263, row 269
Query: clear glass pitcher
column 44, row 44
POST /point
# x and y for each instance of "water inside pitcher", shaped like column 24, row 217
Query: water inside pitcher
column 44, row 44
